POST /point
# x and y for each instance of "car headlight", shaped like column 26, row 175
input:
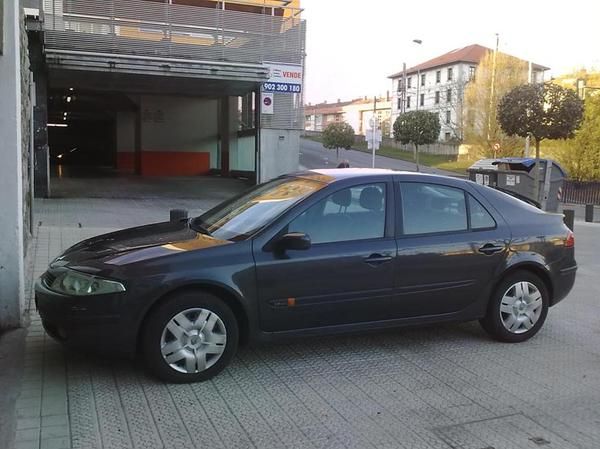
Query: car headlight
column 81, row 284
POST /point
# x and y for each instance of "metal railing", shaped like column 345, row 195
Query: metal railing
column 150, row 28
column 581, row 192
column 144, row 28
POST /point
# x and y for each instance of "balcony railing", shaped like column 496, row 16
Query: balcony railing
column 155, row 29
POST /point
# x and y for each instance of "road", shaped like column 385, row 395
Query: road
column 315, row 155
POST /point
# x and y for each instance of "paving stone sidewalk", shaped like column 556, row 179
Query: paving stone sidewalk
column 434, row 388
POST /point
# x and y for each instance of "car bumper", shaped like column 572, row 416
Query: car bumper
column 563, row 284
column 91, row 322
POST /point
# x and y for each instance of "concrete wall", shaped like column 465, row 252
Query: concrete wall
column 279, row 152
column 175, row 130
column 179, row 136
column 11, row 174
column 27, row 100
column 125, row 141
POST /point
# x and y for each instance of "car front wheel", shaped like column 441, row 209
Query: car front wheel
column 190, row 337
column 517, row 309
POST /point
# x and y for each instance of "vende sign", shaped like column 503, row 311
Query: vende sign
column 283, row 78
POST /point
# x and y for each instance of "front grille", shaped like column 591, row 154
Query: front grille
column 48, row 278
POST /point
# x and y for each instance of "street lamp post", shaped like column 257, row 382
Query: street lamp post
column 418, row 100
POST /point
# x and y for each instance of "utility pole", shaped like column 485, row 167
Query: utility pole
column 404, row 91
column 528, row 138
column 492, row 87
column 418, row 85
column 374, row 130
column 418, row 42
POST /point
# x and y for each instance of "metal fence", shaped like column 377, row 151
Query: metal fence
column 160, row 29
column 580, row 192
column 149, row 28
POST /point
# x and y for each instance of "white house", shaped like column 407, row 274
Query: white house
column 439, row 85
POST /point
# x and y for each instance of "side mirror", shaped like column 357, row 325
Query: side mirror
column 293, row 240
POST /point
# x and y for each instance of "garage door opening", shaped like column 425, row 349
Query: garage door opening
column 94, row 135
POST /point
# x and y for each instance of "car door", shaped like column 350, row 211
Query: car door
column 346, row 276
column 449, row 248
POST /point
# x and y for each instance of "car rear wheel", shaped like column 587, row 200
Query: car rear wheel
column 517, row 309
column 190, row 337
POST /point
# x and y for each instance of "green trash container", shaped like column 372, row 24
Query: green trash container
column 517, row 175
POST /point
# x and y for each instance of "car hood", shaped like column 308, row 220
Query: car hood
column 137, row 244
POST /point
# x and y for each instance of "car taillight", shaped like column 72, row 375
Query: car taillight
column 570, row 240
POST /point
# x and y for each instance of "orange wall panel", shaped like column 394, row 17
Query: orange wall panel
column 175, row 163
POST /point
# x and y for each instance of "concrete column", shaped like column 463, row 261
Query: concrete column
column 224, row 108
column 40, row 119
column 11, row 188
column 138, row 139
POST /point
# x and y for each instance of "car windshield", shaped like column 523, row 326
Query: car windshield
column 241, row 217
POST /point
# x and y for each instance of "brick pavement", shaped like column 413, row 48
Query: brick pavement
column 438, row 387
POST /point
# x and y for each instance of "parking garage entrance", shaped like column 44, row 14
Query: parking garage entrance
column 111, row 125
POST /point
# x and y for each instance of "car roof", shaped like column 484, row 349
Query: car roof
column 330, row 175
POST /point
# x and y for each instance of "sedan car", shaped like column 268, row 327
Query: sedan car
column 311, row 253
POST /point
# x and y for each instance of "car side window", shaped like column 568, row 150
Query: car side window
column 432, row 208
column 354, row 213
column 480, row 217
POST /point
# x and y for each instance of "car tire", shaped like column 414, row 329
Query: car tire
column 517, row 309
column 190, row 337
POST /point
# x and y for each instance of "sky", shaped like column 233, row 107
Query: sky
column 353, row 46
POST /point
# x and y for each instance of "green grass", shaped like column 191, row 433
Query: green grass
column 440, row 161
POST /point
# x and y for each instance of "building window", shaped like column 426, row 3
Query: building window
column 438, row 76
column 408, row 102
column 447, row 136
column 423, row 79
column 422, row 100
column 399, row 104
column 448, row 117
column 409, row 82
column 449, row 95
column 437, row 97
column 471, row 72
column 400, row 85
column 449, row 73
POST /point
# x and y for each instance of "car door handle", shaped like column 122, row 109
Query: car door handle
column 377, row 259
column 489, row 249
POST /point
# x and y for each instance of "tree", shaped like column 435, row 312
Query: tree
column 338, row 135
column 480, row 124
column 581, row 155
column 542, row 111
column 418, row 128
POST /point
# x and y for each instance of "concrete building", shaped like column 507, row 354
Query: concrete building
column 357, row 113
column 149, row 87
column 439, row 85
column 16, row 165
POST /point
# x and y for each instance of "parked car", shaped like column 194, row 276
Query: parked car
column 308, row 254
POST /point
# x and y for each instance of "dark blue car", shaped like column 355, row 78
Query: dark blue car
column 307, row 254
